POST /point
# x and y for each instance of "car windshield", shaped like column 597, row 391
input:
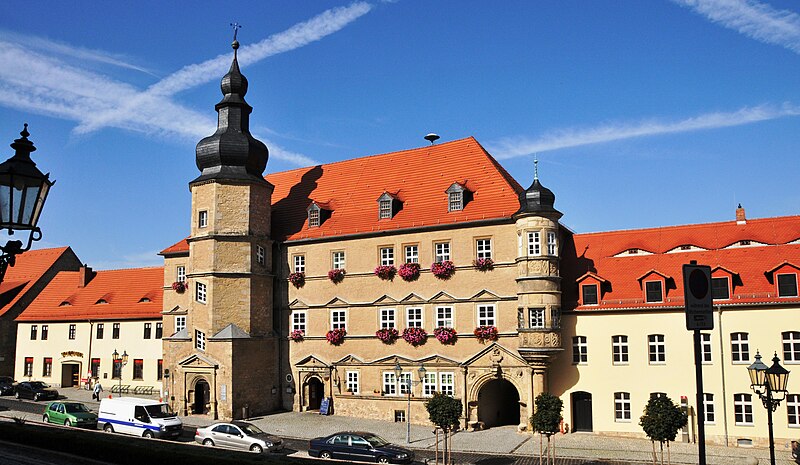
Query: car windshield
column 75, row 408
column 159, row 411
column 38, row 385
column 375, row 441
column 250, row 430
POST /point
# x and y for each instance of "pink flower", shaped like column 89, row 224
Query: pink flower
column 336, row 336
column 486, row 333
column 179, row 287
column 409, row 271
column 443, row 270
column 483, row 264
column 445, row 335
column 298, row 279
column 336, row 275
column 415, row 336
column 387, row 335
column 297, row 335
column 386, row 272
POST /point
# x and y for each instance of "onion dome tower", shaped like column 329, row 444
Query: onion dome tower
column 537, row 198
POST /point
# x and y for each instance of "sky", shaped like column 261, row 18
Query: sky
column 641, row 114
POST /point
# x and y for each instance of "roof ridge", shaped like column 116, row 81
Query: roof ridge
column 131, row 269
column 690, row 225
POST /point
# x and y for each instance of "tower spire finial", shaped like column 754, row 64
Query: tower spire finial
column 236, row 26
column 535, row 168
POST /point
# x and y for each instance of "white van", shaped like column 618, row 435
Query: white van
column 137, row 416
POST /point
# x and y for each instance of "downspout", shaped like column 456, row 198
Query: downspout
column 722, row 372
column 466, row 401
column 89, row 357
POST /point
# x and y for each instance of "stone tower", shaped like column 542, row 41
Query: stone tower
column 225, row 360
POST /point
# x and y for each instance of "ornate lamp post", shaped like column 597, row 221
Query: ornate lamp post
column 398, row 370
column 23, row 191
column 122, row 360
column 770, row 385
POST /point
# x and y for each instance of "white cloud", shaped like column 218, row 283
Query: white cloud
column 753, row 19
column 575, row 137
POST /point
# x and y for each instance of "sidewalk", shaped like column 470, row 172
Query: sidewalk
column 503, row 440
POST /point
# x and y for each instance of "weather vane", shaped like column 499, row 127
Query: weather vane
column 535, row 167
column 236, row 26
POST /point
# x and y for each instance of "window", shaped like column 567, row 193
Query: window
column 148, row 327
column 389, row 383
column 412, row 253
column 180, row 323
column 339, row 319
column 414, row 317
column 95, row 367
column 787, row 285
column 536, row 317
column 72, row 331
column 743, row 409
column 580, row 350
column 387, row 318
column 442, row 251
column 180, row 274
column 486, row 315
column 138, row 368
column 116, row 369
column 387, row 256
column 199, row 340
column 385, row 209
column 534, row 243
column 708, row 406
column 720, row 289
column 483, row 248
column 28, row 368
column 34, row 329
column 429, row 384
column 299, row 321
column 622, row 406
column 653, row 291
column 338, row 260
column 202, row 218
column 791, row 345
column 657, row 349
column 260, row 255
column 159, row 369
column 313, row 216
column 159, row 330
column 552, row 246
column 705, row 346
column 404, row 382
column 793, row 409
column 444, row 317
column 100, row 328
column 456, row 201
column 45, row 330
column 115, row 331
column 447, row 384
column 740, row 347
column 589, row 294
column 299, row 263
column 399, row 416
column 47, row 367
column 352, row 382
column 619, row 349
column 200, row 292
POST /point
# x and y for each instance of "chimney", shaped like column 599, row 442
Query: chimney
column 85, row 274
column 740, row 219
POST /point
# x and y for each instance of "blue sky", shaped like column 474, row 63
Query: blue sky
column 642, row 114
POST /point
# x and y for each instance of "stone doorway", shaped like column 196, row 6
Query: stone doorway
column 202, row 397
column 69, row 374
column 316, row 391
column 498, row 404
column 582, row 411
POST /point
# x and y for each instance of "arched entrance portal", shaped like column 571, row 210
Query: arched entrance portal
column 315, row 393
column 201, row 397
column 498, row 403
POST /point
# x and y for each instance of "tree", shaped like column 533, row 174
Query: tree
column 444, row 412
column 546, row 420
column 661, row 421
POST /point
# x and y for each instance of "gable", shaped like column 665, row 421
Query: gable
column 311, row 361
column 198, row 361
column 443, row 297
column 412, row 299
column 495, row 355
column 385, row 300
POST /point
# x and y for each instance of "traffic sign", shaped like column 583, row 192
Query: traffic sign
column 697, row 296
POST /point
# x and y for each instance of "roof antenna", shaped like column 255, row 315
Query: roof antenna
column 535, row 168
column 431, row 138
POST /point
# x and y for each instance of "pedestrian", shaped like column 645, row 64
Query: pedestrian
column 98, row 390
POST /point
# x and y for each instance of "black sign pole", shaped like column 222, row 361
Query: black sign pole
column 701, row 411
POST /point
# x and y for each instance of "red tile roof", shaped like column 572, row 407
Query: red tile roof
column 28, row 269
column 595, row 252
column 124, row 291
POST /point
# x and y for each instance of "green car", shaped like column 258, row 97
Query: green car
column 70, row 414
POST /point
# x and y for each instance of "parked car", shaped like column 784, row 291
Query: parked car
column 35, row 390
column 70, row 414
column 140, row 417
column 6, row 385
column 238, row 435
column 359, row 445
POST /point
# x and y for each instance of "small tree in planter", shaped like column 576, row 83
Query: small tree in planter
column 485, row 333
column 415, row 336
column 336, row 336
column 297, row 335
column 444, row 412
column 661, row 421
column 336, row 275
column 298, row 279
column 547, row 420
column 385, row 272
column 483, row 264
column 387, row 335
column 179, row 287
column 445, row 335
column 409, row 271
column 443, row 270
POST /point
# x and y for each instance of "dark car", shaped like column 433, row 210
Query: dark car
column 359, row 445
column 35, row 390
column 6, row 385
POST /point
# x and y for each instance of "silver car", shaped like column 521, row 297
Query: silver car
column 238, row 435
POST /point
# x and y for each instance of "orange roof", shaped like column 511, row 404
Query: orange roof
column 134, row 293
column 750, row 263
column 28, row 269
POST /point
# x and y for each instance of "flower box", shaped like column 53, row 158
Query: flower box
column 297, row 335
column 336, row 336
column 385, row 272
column 445, row 335
column 336, row 275
column 387, row 335
column 486, row 333
column 415, row 336
column 179, row 287
column 443, row 270
column 297, row 279
column 409, row 271
column 483, row 264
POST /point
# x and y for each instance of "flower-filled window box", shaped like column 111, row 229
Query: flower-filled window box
column 297, row 279
column 297, row 335
column 336, row 275
column 409, row 271
column 179, row 287
column 387, row 335
column 483, row 264
column 336, row 336
column 486, row 333
column 445, row 335
column 385, row 272
column 443, row 270
column 415, row 336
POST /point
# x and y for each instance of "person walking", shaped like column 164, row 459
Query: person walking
column 98, row 390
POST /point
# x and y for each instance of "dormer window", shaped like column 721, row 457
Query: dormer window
column 653, row 291
column 144, row 300
column 388, row 206
column 101, row 301
column 787, row 285
column 313, row 216
column 633, row 251
column 720, row 288
column 457, row 197
column 589, row 294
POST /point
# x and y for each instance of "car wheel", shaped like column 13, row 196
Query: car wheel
column 256, row 448
column 67, row 423
column 208, row 442
column 383, row 459
column 148, row 434
column 324, row 455
column 46, row 419
column 108, row 428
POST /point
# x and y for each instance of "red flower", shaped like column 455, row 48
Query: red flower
column 386, row 272
column 179, row 287
column 336, row 275
column 298, row 279
column 486, row 333
column 387, row 335
column 483, row 264
column 336, row 336
column 445, row 335
column 297, row 335
column 409, row 271
column 443, row 270
column 415, row 336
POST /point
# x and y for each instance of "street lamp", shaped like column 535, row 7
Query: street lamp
column 122, row 360
column 23, row 191
column 409, row 382
column 770, row 385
